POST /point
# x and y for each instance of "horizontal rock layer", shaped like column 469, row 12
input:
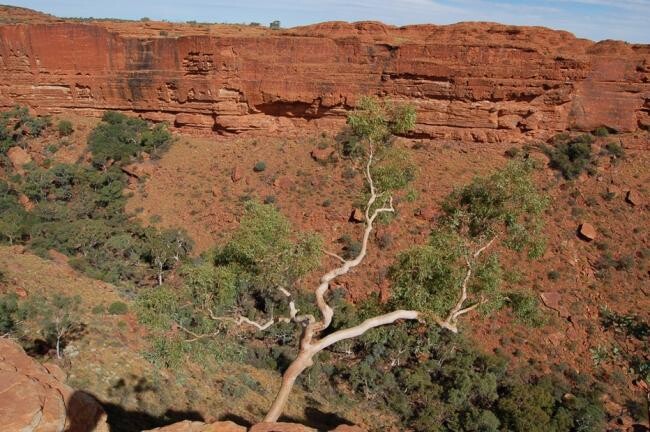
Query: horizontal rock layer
column 472, row 81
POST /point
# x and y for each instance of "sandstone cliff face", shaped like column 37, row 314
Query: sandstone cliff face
column 478, row 81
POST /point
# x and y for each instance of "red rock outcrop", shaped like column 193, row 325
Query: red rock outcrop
column 33, row 397
column 190, row 426
column 471, row 81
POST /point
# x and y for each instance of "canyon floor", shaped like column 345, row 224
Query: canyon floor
column 201, row 185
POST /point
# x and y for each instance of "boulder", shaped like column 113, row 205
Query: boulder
column 553, row 300
column 18, row 158
column 280, row 427
column 228, row 426
column 25, row 202
column 357, row 216
column 58, row 257
column 633, row 197
column 236, row 174
column 613, row 191
column 587, row 231
column 140, row 170
column 323, row 155
column 194, row 426
column 427, row 213
column 285, row 183
column 34, row 398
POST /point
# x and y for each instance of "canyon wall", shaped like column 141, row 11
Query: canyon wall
column 474, row 81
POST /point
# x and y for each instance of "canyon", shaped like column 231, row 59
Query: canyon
column 480, row 82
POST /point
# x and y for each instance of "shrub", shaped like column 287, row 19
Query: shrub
column 351, row 248
column 601, row 132
column 525, row 308
column 265, row 248
column 438, row 388
column 615, row 150
column 8, row 309
column 16, row 123
column 571, row 156
column 259, row 166
column 118, row 308
column 65, row 128
column 553, row 275
column 120, row 138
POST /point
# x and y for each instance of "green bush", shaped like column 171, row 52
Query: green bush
column 65, row 128
column 16, row 125
column 601, row 132
column 615, row 150
column 571, row 156
column 442, row 383
column 118, row 308
column 80, row 212
column 120, row 138
column 259, row 166
column 525, row 308
column 8, row 309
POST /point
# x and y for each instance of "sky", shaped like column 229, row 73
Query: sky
column 627, row 20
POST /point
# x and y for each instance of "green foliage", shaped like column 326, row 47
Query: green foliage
column 14, row 220
column 435, row 381
column 601, row 132
column 377, row 120
column 545, row 404
column 58, row 318
column 80, row 212
column 264, row 248
column 65, row 128
column 630, row 327
column 16, row 124
column 392, row 169
column 119, row 138
column 163, row 249
column 571, row 156
column 525, row 308
column 615, row 150
column 243, row 275
column 427, row 278
column 506, row 199
column 351, row 248
column 8, row 309
column 259, row 166
column 118, row 308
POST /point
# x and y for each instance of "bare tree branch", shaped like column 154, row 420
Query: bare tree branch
column 195, row 336
column 333, row 255
column 451, row 323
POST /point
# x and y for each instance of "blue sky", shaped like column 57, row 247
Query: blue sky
column 594, row 19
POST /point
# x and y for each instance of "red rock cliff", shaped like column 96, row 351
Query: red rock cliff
column 477, row 81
